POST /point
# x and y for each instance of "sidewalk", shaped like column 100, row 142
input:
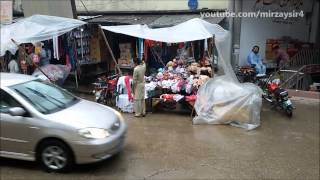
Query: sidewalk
column 305, row 94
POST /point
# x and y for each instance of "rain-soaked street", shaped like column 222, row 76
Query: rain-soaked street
column 168, row 146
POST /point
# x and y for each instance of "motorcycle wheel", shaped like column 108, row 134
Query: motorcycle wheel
column 99, row 101
column 289, row 111
column 102, row 98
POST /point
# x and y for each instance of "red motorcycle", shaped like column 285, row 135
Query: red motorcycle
column 277, row 96
column 105, row 89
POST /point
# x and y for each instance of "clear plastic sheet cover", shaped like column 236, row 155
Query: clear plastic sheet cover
column 223, row 100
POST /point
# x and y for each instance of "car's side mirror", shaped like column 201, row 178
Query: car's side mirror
column 17, row 111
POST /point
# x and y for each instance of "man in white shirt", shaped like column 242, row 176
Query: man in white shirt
column 13, row 66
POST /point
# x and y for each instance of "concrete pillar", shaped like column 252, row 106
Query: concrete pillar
column 230, row 21
column 236, row 32
column 235, row 29
column 314, row 32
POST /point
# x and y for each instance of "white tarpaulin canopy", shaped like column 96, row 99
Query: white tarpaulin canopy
column 34, row 29
column 194, row 29
column 191, row 30
column 222, row 100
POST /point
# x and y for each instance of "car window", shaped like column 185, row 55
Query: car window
column 45, row 97
column 7, row 102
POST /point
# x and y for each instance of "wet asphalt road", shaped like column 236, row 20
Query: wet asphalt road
column 168, row 146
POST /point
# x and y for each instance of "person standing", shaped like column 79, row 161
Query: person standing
column 138, row 89
column 281, row 56
column 255, row 60
column 4, row 61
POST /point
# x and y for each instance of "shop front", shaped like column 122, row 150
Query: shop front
column 179, row 73
column 49, row 49
column 291, row 34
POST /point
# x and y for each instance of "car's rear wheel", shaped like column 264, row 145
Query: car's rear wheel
column 55, row 156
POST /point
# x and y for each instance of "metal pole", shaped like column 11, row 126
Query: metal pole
column 297, row 76
column 74, row 9
column 110, row 50
column 81, row 32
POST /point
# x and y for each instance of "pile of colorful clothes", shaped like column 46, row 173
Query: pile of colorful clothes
column 177, row 81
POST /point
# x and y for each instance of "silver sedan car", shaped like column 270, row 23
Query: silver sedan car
column 42, row 122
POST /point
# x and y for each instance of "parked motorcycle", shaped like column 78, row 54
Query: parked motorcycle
column 104, row 89
column 277, row 96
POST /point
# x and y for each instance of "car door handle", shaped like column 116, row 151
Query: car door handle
column 33, row 127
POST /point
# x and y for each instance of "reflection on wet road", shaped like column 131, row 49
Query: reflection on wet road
column 168, row 146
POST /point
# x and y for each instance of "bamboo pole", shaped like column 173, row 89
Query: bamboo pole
column 34, row 64
column 110, row 50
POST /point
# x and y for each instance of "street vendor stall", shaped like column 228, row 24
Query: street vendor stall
column 215, row 102
column 175, row 70
column 35, row 30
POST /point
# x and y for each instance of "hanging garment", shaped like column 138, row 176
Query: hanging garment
column 68, row 63
column 155, row 60
column 37, row 50
column 61, row 46
column 137, row 48
column 147, row 44
column 73, row 58
column 210, row 47
column 45, row 56
column 128, row 87
column 55, row 44
column 206, row 45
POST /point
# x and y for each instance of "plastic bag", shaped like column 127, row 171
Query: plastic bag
column 222, row 101
column 56, row 73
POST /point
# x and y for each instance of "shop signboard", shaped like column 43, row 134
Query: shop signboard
column 298, row 8
column 6, row 12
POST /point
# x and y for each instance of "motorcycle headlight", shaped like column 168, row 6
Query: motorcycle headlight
column 94, row 133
